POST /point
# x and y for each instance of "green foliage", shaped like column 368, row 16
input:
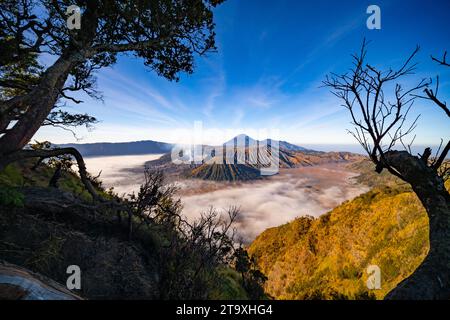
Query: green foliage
column 229, row 286
column 26, row 173
column 252, row 278
column 11, row 176
column 18, row 75
column 11, row 197
column 60, row 117
column 165, row 34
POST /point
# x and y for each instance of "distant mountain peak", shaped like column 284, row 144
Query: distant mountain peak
column 244, row 140
column 241, row 140
column 242, row 135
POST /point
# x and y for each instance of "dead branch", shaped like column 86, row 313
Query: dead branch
column 442, row 61
column 374, row 117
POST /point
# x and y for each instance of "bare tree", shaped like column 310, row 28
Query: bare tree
column 155, row 202
column 191, row 252
column 380, row 125
column 191, row 259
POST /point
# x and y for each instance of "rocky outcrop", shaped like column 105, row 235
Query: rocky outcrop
column 55, row 229
column 17, row 283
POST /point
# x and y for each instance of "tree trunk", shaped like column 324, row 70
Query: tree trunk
column 46, row 95
column 431, row 280
column 41, row 100
column 54, row 181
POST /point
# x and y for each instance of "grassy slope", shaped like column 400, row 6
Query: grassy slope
column 21, row 175
column 327, row 257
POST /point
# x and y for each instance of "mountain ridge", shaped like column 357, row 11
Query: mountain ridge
column 244, row 140
column 120, row 148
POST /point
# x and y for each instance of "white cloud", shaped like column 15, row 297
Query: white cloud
column 271, row 203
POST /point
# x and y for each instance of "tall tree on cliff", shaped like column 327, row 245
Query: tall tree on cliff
column 166, row 34
column 380, row 124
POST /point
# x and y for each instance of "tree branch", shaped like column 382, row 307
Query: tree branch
column 137, row 46
column 431, row 95
column 442, row 156
column 43, row 154
column 442, row 61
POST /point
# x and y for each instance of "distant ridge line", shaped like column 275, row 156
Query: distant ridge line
column 120, row 148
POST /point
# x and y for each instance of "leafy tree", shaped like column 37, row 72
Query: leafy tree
column 381, row 123
column 166, row 34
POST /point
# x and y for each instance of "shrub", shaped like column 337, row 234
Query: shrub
column 11, row 197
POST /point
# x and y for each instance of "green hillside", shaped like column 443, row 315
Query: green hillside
column 327, row 258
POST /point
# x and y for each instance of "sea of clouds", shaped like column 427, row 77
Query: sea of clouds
column 274, row 202
column 263, row 204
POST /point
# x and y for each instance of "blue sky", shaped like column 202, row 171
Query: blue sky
column 267, row 73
